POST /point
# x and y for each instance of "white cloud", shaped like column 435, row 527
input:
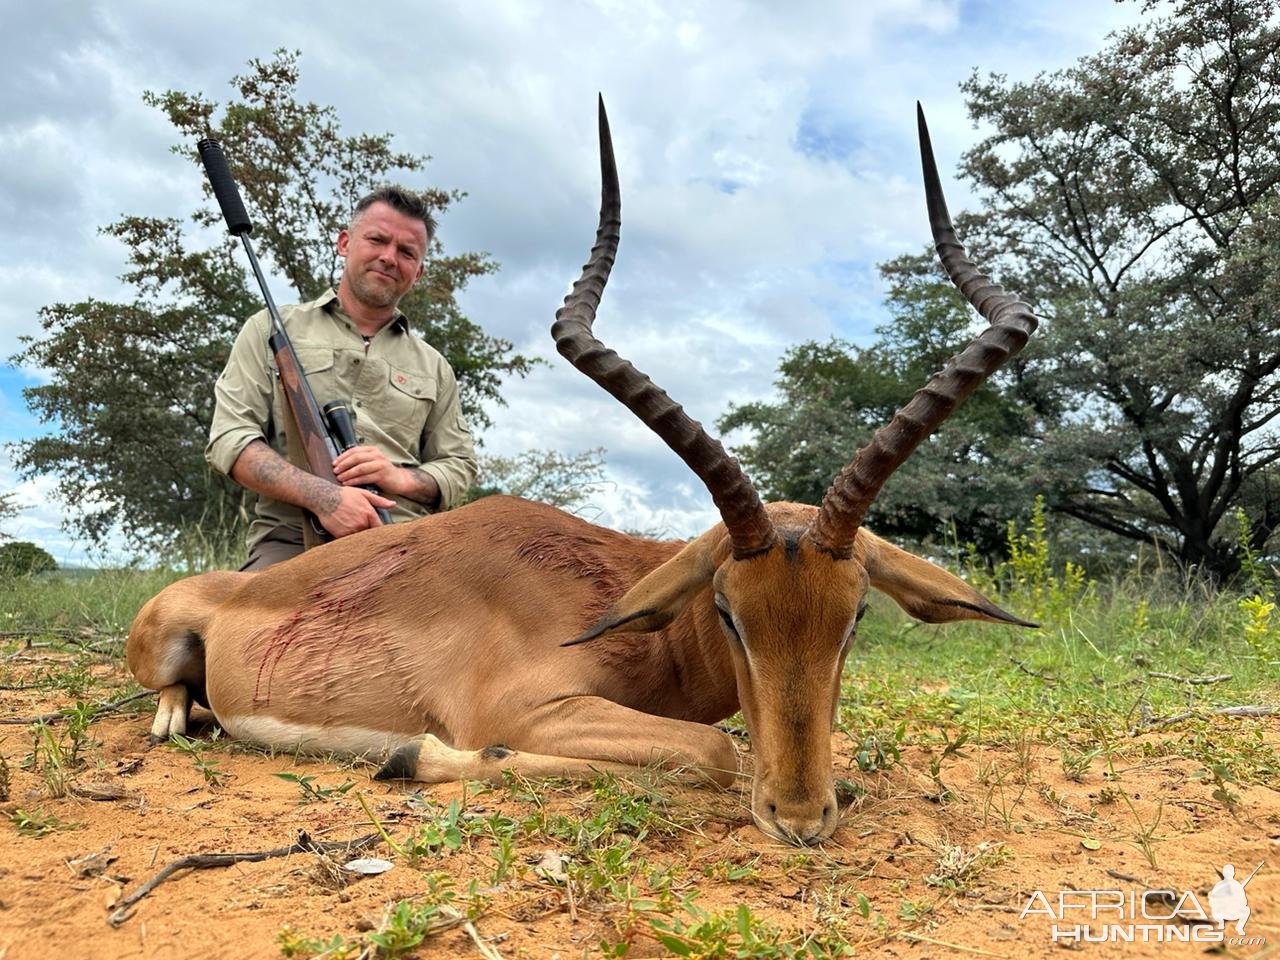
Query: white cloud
column 766, row 153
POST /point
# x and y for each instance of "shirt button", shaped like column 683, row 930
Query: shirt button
column 357, row 360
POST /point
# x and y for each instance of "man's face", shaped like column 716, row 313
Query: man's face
column 384, row 250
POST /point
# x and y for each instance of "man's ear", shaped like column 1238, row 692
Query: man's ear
column 659, row 597
column 344, row 241
column 924, row 590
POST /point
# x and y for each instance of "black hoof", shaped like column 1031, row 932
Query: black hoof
column 401, row 764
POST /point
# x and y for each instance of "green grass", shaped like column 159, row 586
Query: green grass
column 1105, row 675
column 988, row 712
column 81, row 606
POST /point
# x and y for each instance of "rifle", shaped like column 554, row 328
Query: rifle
column 323, row 433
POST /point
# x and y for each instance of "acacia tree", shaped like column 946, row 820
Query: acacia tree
column 1133, row 197
column 131, row 392
column 969, row 477
column 1132, row 200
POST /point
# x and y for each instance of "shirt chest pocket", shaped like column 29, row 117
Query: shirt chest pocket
column 409, row 398
column 318, row 367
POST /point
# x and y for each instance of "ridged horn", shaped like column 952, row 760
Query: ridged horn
column 1011, row 324
column 735, row 497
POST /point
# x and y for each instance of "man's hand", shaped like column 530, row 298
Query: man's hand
column 341, row 510
column 352, row 511
column 361, row 466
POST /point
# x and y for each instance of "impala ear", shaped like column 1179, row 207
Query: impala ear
column 659, row 597
column 924, row 590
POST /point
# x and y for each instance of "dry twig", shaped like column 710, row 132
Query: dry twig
column 1193, row 681
column 204, row 861
column 100, row 708
column 1246, row 710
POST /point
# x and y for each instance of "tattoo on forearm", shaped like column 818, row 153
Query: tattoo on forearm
column 427, row 490
column 275, row 476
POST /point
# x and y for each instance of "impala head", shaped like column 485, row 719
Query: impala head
column 789, row 582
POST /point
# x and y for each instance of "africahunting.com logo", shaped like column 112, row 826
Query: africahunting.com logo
column 1149, row 916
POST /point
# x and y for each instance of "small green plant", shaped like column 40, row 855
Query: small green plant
column 37, row 823
column 1075, row 764
column 1221, row 777
column 1258, row 627
column 1051, row 598
column 504, row 857
column 881, row 749
column 195, row 749
column 439, row 835
column 729, row 933
column 79, row 717
column 1006, row 784
column 1253, row 573
column 403, row 928
column 731, row 872
column 48, row 758
column 313, row 792
column 295, row 944
column 950, row 749
column 914, row 910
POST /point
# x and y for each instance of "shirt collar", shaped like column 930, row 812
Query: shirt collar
column 328, row 301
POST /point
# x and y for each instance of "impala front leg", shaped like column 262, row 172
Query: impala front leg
column 576, row 738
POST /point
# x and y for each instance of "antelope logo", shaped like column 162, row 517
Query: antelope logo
column 508, row 635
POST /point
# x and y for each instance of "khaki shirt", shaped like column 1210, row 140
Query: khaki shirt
column 402, row 394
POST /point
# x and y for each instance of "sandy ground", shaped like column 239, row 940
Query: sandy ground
column 1037, row 831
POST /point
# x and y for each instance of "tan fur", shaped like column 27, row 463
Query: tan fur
column 428, row 643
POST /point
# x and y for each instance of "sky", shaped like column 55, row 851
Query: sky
column 766, row 153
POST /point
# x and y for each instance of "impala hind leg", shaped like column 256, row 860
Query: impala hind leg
column 165, row 649
column 575, row 738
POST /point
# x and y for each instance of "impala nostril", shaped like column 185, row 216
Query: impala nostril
column 772, row 810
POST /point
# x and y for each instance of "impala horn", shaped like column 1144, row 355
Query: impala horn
column 749, row 527
column 1011, row 324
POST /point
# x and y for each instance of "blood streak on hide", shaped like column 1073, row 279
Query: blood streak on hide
column 342, row 611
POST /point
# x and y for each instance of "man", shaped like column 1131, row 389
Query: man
column 354, row 345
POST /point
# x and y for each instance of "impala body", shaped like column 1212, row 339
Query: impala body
column 508, row 635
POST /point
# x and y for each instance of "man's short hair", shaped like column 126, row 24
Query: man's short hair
column 401, row 201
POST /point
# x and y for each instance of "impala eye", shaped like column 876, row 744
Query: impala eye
column 727, row 621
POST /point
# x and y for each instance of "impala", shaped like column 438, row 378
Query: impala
column 507, row 635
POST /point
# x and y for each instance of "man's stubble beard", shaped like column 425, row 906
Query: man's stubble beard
column 370, row 294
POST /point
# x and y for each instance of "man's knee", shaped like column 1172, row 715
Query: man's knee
column 279, row 545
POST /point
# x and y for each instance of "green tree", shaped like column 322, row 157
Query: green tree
column 548, row 476
column 131, row 391
column 20, row 558
column 1133, row 200
column 971, row 475
column 8, row 510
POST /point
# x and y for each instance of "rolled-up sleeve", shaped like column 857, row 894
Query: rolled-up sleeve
column 242, row 395
column 448, row 453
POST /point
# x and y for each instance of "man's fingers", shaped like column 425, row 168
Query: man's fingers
column 378, row 501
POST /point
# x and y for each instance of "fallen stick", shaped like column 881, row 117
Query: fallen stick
column 1247, row 710
column 205, row 861
column 100, row 709
column 1194, row 681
